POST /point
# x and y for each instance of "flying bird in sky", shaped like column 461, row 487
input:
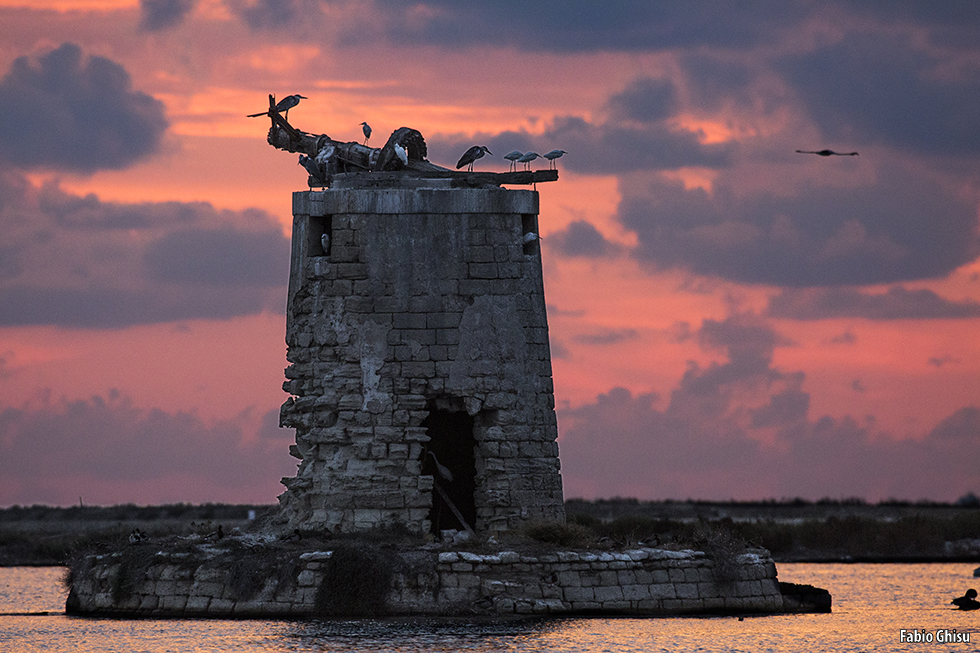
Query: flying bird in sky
column 827, row 153
column 513, row 157
column 471, row 155
column 366, row 129
column 555, row 154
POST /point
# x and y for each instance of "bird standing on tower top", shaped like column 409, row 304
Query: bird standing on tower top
column 471, row 155
column 554, row 154
column 513, row 157
column 527, row 158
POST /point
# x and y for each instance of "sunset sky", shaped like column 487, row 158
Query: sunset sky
column 729, row 319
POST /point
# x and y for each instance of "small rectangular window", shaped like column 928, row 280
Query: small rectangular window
column 530, row 236
column 321, row 235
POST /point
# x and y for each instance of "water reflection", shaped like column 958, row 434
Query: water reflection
column 418, row 635
column 872, row 605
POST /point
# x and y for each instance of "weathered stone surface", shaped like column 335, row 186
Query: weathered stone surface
column 424, row 299
column 497, row 583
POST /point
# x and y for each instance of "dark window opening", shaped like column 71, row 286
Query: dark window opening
column 530, row 236
column 321, row 236
column 449, row 458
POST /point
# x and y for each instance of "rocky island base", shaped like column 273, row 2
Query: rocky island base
column 244, row 577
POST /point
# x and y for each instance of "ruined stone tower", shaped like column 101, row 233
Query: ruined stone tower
column 420, row 364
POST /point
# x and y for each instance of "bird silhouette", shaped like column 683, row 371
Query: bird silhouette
column 554, row 154
column 284, row 104
column 312, row 166
column 827, row 153
column 968, row 601
column 366, row 130
column 471, row 155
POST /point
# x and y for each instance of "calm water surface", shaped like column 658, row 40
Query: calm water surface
column 872, row 604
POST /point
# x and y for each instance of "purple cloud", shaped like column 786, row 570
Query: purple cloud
column 69, row 112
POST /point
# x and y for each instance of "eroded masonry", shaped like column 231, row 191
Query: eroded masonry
column 420, row 366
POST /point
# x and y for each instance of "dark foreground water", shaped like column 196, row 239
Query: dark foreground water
column 873, row 604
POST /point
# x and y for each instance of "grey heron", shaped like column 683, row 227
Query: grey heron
column 366, row 130
column 312, row 166
column 471, row 155
column 288, row 103
column 442, row 469
column 827, row 153
column 554, row 154
column 527, row 158
column 284, row 104
column 513, row 157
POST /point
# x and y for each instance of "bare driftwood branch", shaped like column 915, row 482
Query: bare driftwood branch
column 331, row 160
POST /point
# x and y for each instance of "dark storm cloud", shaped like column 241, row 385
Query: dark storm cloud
column 275, row 14
column 645, row 100
column 586, row 26
column 79, row 262
column 108, row 439
column 896, row 303
column 902, row 226
column 69, row 112
column 741, row 428
column 614, row 148
column 637, row 136
column 887, row 89
column 580, row 238
column 162, row 14
column 220, row 257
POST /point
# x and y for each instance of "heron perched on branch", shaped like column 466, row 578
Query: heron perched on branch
column 284, row 104
column 471, row 155
column 827, row 153
column 366, row 130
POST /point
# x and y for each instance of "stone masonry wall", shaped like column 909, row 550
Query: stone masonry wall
column 640, row 582
column 423, row 299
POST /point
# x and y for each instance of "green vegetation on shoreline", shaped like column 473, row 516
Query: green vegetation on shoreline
column 793, row 530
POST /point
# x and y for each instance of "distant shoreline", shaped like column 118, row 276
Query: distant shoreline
column 847, row 531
